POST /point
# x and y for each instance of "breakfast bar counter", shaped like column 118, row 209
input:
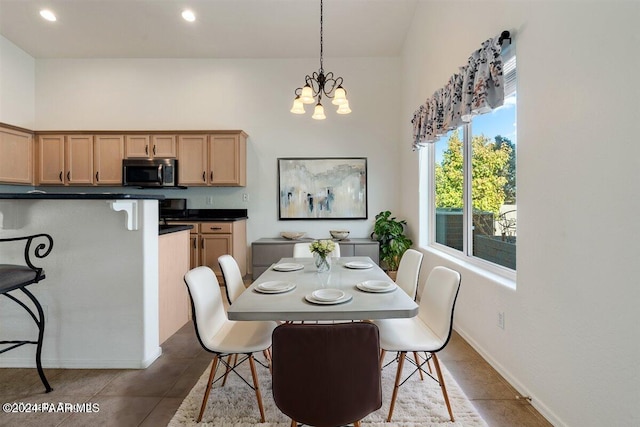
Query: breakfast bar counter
column 100, row 298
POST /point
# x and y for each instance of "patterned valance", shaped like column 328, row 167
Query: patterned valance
column 477, row 88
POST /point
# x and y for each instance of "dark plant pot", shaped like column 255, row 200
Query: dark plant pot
column 392, row 274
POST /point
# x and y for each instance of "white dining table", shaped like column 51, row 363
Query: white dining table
column 294, row 306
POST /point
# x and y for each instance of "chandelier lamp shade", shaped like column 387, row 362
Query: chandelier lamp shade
column 321, row 84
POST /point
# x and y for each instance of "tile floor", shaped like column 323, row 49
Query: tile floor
column 151, row 397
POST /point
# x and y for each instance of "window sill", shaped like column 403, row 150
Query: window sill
column 503, row 276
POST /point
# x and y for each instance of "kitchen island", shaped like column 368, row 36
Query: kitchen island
column 100, row 295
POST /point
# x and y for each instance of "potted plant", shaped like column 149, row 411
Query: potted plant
column 393, row 242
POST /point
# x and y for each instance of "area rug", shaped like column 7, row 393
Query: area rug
column 419, row 403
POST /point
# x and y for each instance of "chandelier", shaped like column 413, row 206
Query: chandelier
column 318, row 85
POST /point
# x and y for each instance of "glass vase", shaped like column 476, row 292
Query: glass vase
column 323, row 262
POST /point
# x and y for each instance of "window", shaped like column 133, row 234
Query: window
column 473, row 168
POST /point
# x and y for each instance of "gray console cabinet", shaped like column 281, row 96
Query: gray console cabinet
column 266, row 251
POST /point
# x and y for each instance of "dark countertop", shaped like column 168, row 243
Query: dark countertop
column 79, row 196
column 166, row 229
column 209, row 215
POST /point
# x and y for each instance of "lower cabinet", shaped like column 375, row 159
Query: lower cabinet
column 209, row 240
column 266, row 251
column 173, row 300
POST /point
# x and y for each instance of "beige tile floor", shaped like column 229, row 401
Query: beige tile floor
column 150, row 397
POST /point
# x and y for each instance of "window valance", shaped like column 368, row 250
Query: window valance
column 477, row 88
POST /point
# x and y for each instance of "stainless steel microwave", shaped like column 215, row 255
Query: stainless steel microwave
column 150, row 172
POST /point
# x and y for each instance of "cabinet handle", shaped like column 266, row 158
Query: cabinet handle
column 211, row 175
column 204, row 176
column 202, row 243
column 69, row 176
column 97, row 179
column 195, row 245
column 60, row 176
column 216, row 228
column 154, row 150
column 146, row 150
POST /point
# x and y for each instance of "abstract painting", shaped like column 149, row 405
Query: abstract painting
column 322, row 188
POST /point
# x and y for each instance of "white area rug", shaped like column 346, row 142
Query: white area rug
column 419, row 403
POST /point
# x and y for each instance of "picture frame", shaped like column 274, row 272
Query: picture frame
column 322, row 188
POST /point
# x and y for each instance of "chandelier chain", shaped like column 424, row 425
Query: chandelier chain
column 321, row 36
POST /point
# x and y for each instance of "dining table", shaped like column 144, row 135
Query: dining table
column 355, row 288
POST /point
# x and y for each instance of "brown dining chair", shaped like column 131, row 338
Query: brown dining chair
column 326, row 375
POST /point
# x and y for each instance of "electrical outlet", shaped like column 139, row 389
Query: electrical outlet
column 501, row 319
column 245, row 197
column 209, row 200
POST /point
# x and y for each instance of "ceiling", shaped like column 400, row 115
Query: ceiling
column 223, row 28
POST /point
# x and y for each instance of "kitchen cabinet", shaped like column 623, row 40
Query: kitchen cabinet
column 218, row 159
column 80, row 159
column 150, row 146
column 65, row 159
column 211, row 239
column 16, row 156
column 266, row 251
column 173, row 300
column 108, row 153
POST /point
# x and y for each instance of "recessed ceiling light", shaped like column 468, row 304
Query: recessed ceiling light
column 48, row 15
column 188, row 15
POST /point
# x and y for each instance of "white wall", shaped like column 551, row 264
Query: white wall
column 252, row 95
column 17, row 100
column 570, row 338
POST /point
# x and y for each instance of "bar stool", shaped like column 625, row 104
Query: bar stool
column 18, row 277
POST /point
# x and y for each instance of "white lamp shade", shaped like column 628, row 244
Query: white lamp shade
column 318, row 112
column 344, row 108
column 298, row 106
column 307, row 95
column 340, row 97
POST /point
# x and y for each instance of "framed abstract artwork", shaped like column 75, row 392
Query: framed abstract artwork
column 322, row 188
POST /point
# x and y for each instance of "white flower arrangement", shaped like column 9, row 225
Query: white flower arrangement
column 322, row 247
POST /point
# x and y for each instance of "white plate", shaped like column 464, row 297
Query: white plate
column 359, row 265
column 327, row 295
column 376, row 286
column 274, row 287
column 311, row 299
column 288, row 266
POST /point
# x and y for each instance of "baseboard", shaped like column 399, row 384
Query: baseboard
column 7, row 362
column 543, row 409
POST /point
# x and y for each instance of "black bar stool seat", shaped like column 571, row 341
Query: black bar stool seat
column 17, row 278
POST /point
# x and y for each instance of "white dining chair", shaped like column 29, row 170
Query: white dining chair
column 302, row 250
column 234, row 285
column 221, row 336
column 409, row 271
column 428, row 332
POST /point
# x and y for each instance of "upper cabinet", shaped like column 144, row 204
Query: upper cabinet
column 80, row 159
column 16, row 156
column 218, row 159
column 150, row 146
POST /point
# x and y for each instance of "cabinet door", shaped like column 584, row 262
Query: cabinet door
column 108, row 153
column 137, row 147
column 163, row 146
column 16, row 157
column 213, row 246
column 51, row 168
column 192, row 159
column 226, row 160
column 195, row 251
column 79, row 159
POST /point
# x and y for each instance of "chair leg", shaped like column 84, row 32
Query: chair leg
column 382, row 354
column 254, row 374
column 226, row 373
column 442, row 386
column 294, row 423
column 357, row 423
column 397, row 385
column 267, row 355
column 415, row 356
column 214, row 365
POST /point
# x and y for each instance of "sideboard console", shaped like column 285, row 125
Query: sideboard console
column 266, row 251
